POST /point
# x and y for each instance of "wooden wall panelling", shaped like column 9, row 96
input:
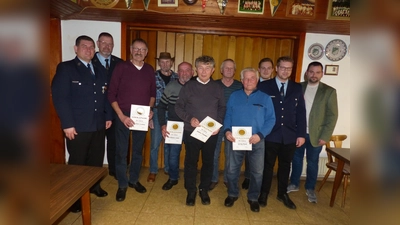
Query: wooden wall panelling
column 57, row 149
column 239, row 56
column 189, row 48
column 198, row 48
column 179, row 50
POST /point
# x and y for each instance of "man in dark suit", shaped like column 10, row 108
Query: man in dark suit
column 288, row 133
column 80, row 99
column 104, row 60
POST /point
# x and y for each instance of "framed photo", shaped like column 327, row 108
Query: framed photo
column 338, row 10
column 251, row 6
column 331, row 70
column 301, row 8
column 167, row 3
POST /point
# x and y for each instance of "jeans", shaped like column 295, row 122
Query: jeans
column 173, row 160
column 217, row 152
column 122, row 138
column 156, row 138
column 256, row 167
column 312, row 155
column 193, row 147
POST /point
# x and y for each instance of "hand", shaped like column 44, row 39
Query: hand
column 128, row 122
column 108, row 124
column 194, row 122
column 151, row 115
column 321, row 142
column 151, row 124
column 70, row 133
column 229, row 136
column 164, row 131
column 254, row 139
column 300, row 141
column 215, row 132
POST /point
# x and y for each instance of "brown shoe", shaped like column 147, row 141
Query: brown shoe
column 151, row 177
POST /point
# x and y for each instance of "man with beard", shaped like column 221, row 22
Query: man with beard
column 321, row 114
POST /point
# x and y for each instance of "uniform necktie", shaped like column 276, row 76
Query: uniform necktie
column 107, row 64
column 282, row 91
column 91, row 71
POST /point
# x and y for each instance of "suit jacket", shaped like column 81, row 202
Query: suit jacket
column 113, row 62
column 323, row 114
column 79, row 99
column 290, row 113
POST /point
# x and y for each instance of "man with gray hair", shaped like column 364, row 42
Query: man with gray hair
column 248, row 107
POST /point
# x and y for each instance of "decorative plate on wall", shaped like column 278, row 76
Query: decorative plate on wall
column 336, row 50
column 104, row 3
column 190, row 2
column 315, row 51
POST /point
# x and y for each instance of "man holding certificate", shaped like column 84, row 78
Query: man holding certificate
column 171, row 129
column 249, row 118
column 200, row 98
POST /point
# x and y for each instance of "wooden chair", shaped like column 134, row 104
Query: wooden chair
column 332, row 164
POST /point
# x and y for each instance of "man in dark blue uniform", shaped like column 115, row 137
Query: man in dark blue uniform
column 104, row 60
column 79, row 91
column 288, row 133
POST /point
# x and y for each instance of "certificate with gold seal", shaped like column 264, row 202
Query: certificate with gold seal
column 242, row 136
column 207, row 127
column 175, row 129
column 140, row 116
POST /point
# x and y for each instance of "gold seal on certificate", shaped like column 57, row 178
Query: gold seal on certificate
column 140, row 116
column 242, row 136
column 207, row 127
column 175, row 129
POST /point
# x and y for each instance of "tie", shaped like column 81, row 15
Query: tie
column 282, row 91
column 107, row 64
column 91, row 71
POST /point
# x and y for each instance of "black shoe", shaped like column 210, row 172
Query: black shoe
column 138, row 187
column 262, row 199
column 254, row 206
column 245, row 184
column 168, row 185
column 191, row 199
column 99, row 192
column 205, row 199
column 212, row 185
column 286, row 201
column 76, row 207
column 121, row 194
column 229, row 201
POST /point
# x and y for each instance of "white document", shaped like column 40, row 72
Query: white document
column 140, row 116
column 242, row 136
column 175, row 130
column 207, row 127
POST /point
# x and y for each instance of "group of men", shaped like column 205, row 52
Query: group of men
column 93, row 94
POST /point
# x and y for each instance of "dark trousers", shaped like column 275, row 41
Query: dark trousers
column 111, row 146
column 285, row 155
column 87, row 149
column 193, row 147
column 122, row 138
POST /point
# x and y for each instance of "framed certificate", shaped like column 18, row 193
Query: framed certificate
column 140, row 116
column 242, row 136
column 175, row 129
column 207, row 127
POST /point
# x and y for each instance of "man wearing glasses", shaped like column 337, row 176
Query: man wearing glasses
column 288, row 133
column 132, row 82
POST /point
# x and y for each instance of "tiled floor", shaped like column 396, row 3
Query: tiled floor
column 159, row 207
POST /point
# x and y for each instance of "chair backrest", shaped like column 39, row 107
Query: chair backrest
column 337, row 143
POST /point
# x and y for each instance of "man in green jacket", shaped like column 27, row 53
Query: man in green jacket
column 321, row 114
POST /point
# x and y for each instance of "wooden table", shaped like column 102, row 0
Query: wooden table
column 68, row 183
column 342, row 156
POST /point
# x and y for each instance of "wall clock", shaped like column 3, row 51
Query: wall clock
column 336, row 50
column 315, row 51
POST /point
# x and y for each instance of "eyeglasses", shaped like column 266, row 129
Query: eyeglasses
column 105, row 43
column 285, row 68
column 139, row 49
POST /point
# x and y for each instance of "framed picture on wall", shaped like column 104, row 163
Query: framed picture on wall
column 331, row 70
column 338, row 10
column 167, row 3
column 301, row 8
column 251, row 6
